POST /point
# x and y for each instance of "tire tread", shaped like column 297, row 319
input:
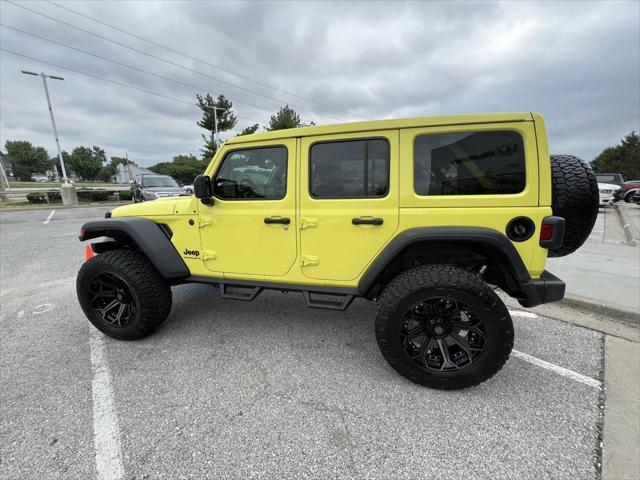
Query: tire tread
column 440, row 276
column 153, row 292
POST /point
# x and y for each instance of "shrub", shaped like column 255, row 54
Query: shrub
column 125, row 194
column 36, row 197
column 41, row 197
column 84, row 195
column 99, row 195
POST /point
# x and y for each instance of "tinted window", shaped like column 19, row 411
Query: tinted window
column 350, row 169
column 257, row 173
column 470, row 163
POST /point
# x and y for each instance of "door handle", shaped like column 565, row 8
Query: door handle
column 367, row 221
column 280, row 220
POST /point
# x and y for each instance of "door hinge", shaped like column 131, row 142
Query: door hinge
column 205, row 222
column 308, row 223
column 309, row 260
column 209, row 255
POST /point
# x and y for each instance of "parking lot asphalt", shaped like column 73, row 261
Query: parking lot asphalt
column 268, row 389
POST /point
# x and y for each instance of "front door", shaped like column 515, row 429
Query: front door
column 250, row 227
column 348, row 201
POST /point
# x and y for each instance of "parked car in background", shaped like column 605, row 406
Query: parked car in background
column 39, row 178
column 613, row 179
column 150, row 187
column 610, row 178
column 628, row 189
column 607, row 191
column 187, row 189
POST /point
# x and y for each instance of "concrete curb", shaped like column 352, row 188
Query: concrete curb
column 626, row 226
column 621, row 433
column 59, row 206
column 591, row 306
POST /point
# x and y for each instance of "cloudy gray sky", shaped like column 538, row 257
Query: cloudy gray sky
column 578, row 63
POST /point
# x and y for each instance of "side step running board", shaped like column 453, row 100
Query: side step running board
column 239, row 292
column 327, row 300
column 313, row 299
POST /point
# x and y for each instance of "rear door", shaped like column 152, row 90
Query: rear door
column 348, row 201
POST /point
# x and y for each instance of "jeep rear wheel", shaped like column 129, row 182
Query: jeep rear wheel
column 122, row 294
column 443, row 327
column 575, row 198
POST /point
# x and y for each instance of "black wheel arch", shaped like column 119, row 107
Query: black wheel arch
column 465, row 246
column 151, row 238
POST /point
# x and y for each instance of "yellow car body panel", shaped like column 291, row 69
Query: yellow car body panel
column 321, row 247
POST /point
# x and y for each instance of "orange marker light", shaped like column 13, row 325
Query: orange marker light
column 88, row 252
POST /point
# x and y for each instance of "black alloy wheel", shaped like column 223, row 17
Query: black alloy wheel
column 122, row 294
column 112, row 299
column 442, row 334
column 444, row 327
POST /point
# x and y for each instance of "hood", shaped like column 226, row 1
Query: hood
column 161, row 206
column 607, row 186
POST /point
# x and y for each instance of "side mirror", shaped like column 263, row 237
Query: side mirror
column 202, row 189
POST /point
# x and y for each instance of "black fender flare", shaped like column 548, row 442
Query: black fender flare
column 148, row 236
column 491, row 239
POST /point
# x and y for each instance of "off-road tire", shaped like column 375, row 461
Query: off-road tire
column 627, row 196
column 575, row 197
column 429, row 281
column 152, row 296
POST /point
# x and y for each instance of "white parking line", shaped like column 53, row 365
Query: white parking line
column 106, row 434
column 49, row 217
column 520, row 313
column 565, row 372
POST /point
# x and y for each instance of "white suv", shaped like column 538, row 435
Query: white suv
column 606, row 193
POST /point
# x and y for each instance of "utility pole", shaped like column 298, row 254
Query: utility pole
column 67, row 190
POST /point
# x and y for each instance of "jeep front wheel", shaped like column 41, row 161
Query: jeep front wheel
column 443, row 327
column 122, row 294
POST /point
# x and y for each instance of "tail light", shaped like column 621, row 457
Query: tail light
column 546, row 231
column 552, row 232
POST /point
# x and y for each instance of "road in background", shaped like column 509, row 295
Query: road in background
column 268, row 389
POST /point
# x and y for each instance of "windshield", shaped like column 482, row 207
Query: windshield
column 158, row 181
column 609, row 178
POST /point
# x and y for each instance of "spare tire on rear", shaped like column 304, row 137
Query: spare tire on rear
column 575, row 197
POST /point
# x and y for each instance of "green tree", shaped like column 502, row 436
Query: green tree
column 285, row 118
column 250, row 129
column 86, row 162
column 623, row 158
column 106, row 173
column 27, row 159
column 119, row 160
column 183, row 168
column 226, row 120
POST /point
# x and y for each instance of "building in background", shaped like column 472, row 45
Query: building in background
column 125, row 173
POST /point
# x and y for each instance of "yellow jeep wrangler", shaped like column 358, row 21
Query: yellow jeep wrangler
column 426, row 217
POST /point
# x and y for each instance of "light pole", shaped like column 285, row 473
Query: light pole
column 215, row 123
column 67, row 191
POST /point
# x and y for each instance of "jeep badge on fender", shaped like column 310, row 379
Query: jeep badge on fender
column 425, row 217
